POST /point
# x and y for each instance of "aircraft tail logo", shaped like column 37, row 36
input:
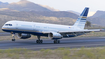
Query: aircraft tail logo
column 82, row 19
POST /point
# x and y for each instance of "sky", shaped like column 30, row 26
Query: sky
column 65, row 5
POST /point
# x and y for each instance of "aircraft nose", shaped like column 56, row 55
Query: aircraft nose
column 3, row 27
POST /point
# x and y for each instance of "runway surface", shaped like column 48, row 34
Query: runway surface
column 48, row 44
column 4, row 34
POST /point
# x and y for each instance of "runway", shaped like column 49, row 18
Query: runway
column 4, row 34
column 48, row 44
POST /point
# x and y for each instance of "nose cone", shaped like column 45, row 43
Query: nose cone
column 3, row 27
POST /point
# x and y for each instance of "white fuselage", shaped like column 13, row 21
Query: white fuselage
column 33, row 27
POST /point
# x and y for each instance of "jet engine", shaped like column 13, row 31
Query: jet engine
column 55, row 35
column 24, row 36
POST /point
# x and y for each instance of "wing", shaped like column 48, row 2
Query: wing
column 79, row 31
column 75, row 31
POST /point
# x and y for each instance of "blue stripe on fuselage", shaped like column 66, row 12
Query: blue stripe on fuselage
column 28, row 32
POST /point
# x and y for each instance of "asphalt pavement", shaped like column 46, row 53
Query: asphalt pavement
column 48, row 44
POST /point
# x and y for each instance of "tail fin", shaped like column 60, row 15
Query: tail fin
column 82, row 19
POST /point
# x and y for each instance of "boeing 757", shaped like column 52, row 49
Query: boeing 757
column 55, row 32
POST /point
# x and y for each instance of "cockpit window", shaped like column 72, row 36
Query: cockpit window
column 8, row 24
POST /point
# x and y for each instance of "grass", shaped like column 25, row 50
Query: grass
column 60, row 53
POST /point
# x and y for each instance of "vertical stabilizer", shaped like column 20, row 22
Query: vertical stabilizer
column 80, row 23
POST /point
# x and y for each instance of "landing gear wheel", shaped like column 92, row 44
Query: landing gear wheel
column 13, row 39
column 13, row 35
column 36, row 41
column 56, row 41
column 39, row 41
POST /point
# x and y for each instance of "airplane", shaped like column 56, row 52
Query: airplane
column 25, row 29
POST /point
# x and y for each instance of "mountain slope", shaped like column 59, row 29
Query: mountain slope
column 98, row 18
column 74, row 12
column 50, row 8
column 56, row 14
column 2, row 3
column 98, row 14
column 27, row 16
column 28, row 6
column 28, row 11
column 24, row 5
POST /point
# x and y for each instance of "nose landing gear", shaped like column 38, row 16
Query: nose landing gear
column 13, row 35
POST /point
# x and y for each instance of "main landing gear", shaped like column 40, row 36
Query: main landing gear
column 56, row 41
column 13, row 35
column 39, row 41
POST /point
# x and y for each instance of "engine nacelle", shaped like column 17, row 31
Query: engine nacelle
column 55, row 35
column 24, row 36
